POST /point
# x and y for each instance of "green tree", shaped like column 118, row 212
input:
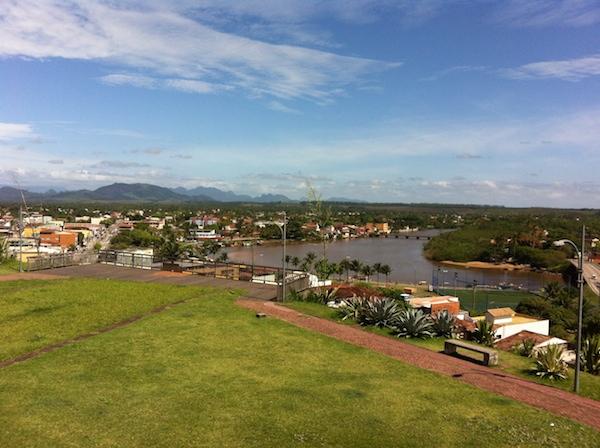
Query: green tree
column 386, row 270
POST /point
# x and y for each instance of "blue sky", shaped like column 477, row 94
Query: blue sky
column 400, row 101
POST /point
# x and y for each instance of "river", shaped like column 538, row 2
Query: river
column 404, row 256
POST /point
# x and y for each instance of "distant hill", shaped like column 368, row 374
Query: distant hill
column 230, row 196
column 10, row 194
column 138, row 193
column 348, row 200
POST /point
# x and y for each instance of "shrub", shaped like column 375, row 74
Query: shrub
column 379, row 312
column 525, row 348
column 413, row 323
column 352, row 308
column 590, row 355
column 549, row 363
column 444, row 324
column 484, row 333
column 322, row 296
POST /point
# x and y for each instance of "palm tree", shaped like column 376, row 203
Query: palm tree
column 377, row 269
column 386, row 270
column 355, row 266
column 295, row 261
column 309, row 259
column 345, row 266
column 367, row 271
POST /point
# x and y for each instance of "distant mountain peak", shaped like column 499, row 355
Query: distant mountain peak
column 138, row 193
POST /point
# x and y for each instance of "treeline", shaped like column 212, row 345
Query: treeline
column 559, row 304
column 515, row 239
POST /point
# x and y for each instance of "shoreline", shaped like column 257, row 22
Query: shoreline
column 487, row 265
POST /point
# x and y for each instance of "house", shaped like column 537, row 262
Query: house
column 506, row 322
column 539, row 341
column 61, row 239
column 204, row 221
column 125, row 226
column 205, row 234
column 154, row 223
column 378, row 227
column 433, row 305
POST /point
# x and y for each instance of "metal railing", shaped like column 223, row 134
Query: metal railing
column 60, row 261
column 128, row 259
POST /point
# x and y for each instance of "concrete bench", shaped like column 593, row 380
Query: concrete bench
column 490, row 356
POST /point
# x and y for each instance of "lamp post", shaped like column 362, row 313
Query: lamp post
column 283, row 229
column 21, row 238
column 580, row 255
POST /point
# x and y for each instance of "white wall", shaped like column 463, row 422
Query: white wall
column 539, row 327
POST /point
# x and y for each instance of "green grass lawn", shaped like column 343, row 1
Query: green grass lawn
column 208, row 373
column 10, row 266
column 34, row 313
column 509, row 362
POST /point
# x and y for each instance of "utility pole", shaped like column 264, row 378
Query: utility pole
column 580, row 312
column 580, row 283
column 284, row 231
column 20, row 238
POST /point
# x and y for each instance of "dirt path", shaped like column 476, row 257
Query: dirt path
column 82, row 337
column 581, row 409
column 30, row 276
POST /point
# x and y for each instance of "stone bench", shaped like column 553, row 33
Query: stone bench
column 490, row 356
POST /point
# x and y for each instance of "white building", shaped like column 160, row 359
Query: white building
column 506, row 322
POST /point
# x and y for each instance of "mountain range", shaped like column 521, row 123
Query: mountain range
column 138, row 193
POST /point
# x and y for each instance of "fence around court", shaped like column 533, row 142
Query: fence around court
column 60, row 261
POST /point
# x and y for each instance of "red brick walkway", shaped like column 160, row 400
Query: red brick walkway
column 581, row 409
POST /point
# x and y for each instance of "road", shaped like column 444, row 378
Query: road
column 591, row 274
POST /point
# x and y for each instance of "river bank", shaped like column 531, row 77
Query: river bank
column 486, row 265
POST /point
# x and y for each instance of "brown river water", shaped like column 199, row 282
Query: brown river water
column 404, row 256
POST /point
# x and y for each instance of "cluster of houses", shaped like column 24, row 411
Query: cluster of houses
column 510, row 328
column 44, row 235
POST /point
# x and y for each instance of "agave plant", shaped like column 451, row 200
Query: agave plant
column 525, row 348
column 590, row 355
column 379, row 312
column 444, row 324
column 484, row 333
column 352, row 308
column 549, row 363
column 412, row 323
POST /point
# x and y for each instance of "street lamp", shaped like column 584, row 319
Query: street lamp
column 580, row 254
column 282, row 227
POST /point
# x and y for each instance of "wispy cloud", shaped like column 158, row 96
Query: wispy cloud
column 56, row 161
column 164, row 41
column 181, row 156
column 567, row 69
column 456, row 69
column 147, row 82
column 118, row 164
column 148, row 151
column 541, row 13
column 468, row 156
column 13, row 131
column 280, row 107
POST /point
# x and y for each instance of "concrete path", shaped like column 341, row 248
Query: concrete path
column 583, row 410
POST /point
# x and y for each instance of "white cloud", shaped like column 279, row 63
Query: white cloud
column 567, row 69
column 13, row 131
column 541, row 13
column 167, row 43
column 120, row 79
column 280, row 107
